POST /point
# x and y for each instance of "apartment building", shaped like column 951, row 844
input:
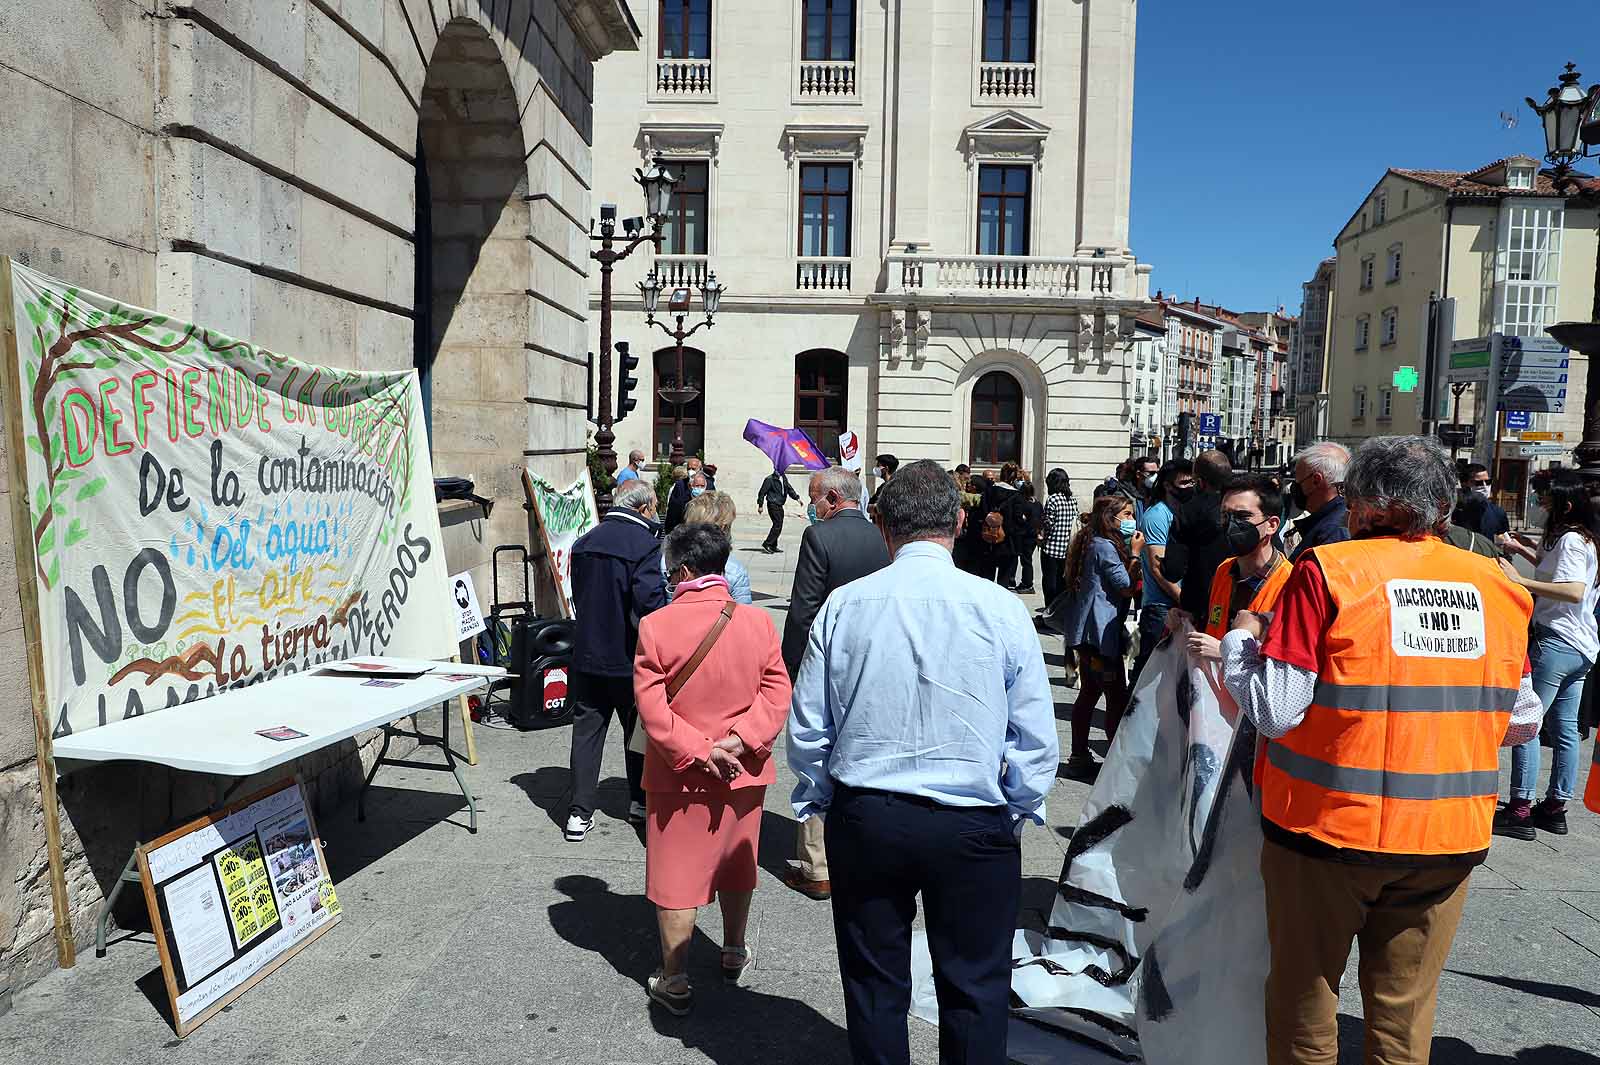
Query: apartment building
column 1309, row 387
column 920, row 215
column 1513, row 253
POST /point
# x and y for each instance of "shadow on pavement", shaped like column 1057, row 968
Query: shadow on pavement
column 1448, row 1050
column 395, row 816
column 549, row 788
column 731, row 1026
column 777, row 843
column 1559, row 992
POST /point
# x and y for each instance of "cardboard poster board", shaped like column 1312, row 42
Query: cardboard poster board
column 564, row 514
column 234, row 895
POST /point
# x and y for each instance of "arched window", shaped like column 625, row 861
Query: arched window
column 996, row 420
column 694, row 413
column 821, row 396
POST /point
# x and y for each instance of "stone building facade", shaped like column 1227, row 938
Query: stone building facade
column 364, row 183
column 919, row 209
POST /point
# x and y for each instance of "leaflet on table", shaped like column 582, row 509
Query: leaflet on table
column 196, row 915
column 196, row 848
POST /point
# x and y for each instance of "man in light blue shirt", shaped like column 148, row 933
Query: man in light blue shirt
column 630, row 472
column 923, row 726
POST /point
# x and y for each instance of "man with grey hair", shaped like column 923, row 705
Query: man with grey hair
column 1394, row 668
column 923, row 724
column 1318, row 477
column 616, row 580
column 838, row 549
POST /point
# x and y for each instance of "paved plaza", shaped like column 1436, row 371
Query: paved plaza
column 514, row 946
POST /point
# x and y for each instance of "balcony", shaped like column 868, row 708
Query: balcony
column 1014, row 275
column 814, row 273
column 825, row 80
column 682, row 271
column 683, row 79
column 1008, row 83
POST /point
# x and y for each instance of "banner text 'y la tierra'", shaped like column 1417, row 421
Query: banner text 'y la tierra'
column 207, row 514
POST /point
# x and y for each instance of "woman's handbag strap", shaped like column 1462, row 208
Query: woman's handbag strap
column 675, row 685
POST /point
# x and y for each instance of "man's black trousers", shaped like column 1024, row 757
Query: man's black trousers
column 882, row 850
column 775, row 512
column 595, row 698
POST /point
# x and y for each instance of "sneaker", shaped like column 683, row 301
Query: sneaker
column 636, row 813
column 578, row 827
column 1508, row 824
column 1550, row 818
column 1026, row 589
column 674, row 995
column 1081, row 766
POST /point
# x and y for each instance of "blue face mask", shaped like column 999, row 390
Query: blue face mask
column 697, row 491
column 811, row 513
column 1127, row 527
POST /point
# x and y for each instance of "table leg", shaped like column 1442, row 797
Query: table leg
column 127, row 876
column 361, row 797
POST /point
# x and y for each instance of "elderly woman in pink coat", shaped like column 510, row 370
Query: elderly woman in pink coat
column 709, row 761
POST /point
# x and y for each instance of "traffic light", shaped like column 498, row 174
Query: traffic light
column 626, row 381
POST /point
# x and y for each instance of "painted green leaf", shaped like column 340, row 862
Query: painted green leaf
column 50, row 410
column 92, row 489
column 136, row 355
column 54, row 575
column 35, row 313
column 33, row 442
column 55, row 450
column 158, row 359
column 41, row 499
column 76, row 532
column 47, row 542
column 168, row 339
column 33, row 371
column 38, row 350
column 67, row 475
column 105, row 362
column 60, row 509
column 93, row 344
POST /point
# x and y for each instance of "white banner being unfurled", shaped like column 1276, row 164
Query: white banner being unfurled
column 205, row 513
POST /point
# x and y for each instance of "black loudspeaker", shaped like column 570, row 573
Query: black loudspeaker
column 541, row 655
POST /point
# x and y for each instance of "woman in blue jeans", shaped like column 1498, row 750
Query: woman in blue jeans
column 1563, row 646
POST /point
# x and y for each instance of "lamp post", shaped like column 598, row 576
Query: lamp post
column 682, row 393
column 1571, row 119
column 656, row 183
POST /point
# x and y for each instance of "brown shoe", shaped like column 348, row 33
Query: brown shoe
column 821, row 890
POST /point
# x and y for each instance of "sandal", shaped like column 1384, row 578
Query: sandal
column 673, row 994
column 732, row 974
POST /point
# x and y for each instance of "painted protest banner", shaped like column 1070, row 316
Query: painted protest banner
column 564, row 515
column 207, row 514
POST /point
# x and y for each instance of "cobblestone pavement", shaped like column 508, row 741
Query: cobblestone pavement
column 512, row 945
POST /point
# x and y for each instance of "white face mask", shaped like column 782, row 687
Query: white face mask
column 1482, row 490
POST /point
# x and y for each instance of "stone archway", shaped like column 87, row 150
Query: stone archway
column 474, row 272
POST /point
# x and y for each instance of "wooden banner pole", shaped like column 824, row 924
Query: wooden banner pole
column 28, row 591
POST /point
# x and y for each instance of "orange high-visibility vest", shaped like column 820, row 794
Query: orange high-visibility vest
column 1218, row 620
column 1591, row 794
column 1418, row 674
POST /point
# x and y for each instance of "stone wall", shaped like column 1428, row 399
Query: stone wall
column 251, row 165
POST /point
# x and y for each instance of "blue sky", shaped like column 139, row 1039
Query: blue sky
column 1259, row 125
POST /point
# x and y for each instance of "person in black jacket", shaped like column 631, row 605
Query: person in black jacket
column 616, row 580
column 772, row 493
column 1002, row 499
column 684, row 490
column 1198, row 542
column 840, row 547
column 1477, row 510
column 1030, row 525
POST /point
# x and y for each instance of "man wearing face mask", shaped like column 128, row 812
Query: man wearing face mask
column 1253, row 578
column 691, row 487
column 1318, row 478
column 1196, row 544
column 840, row 546
column 1174, row 486
column 1476, row 510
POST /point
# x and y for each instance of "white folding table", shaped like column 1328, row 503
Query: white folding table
column 219, row 735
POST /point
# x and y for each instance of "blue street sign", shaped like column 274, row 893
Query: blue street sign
column 1518, row 420
column 1210, row 424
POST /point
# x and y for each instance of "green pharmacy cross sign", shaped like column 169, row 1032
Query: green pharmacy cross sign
column 1405, row 379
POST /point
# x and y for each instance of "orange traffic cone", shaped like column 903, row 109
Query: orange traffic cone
column 1591, row 794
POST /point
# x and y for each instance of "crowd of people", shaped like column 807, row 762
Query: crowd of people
column 1364, row 613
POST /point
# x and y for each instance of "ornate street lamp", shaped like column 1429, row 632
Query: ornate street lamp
column 656, row 184
column 682, row 393
column 1569, row 116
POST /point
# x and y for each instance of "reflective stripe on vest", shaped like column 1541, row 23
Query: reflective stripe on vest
column 1218, row 620
column 1418, row 672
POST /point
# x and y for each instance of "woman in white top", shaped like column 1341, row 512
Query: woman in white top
column 1563, row 646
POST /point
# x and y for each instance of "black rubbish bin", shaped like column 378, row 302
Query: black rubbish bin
column 541, row 655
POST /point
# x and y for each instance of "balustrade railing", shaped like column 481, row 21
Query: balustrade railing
column 683, row 77
column 1013, row 274
column 680, row 271
column 827, row 78
column 821, row 274
column 1008, row 81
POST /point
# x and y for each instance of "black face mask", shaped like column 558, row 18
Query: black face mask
column 1183, row 495
column 1297, row 496
column 1243, row 537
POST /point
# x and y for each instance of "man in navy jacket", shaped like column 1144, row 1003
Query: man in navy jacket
column 616, row 580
